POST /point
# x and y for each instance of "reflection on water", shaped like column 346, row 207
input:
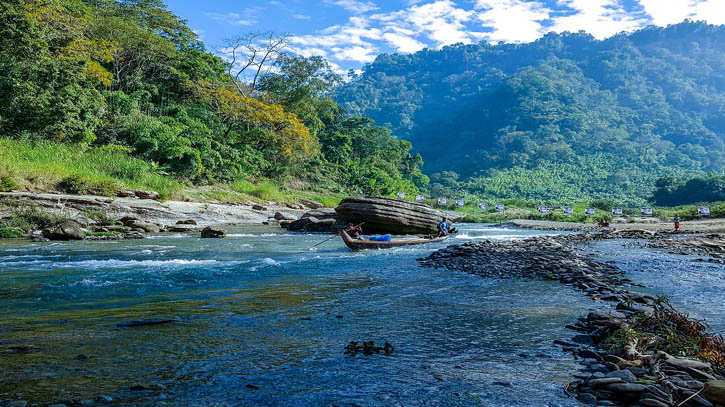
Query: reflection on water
column 259, row 309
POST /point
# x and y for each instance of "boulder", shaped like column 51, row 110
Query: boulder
column 317, row 221
column 282, row 216
column 126, row 194
column 186, row 222
column 384, row 215
column 259, row 208
column 311, row 204
column 213, row 233
column 715, row 391
column 65, row 231
column 145, row 226
column 147, row 195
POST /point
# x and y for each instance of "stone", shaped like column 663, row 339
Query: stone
column 87, row 402
column 213, row 233
column 587, row 399
column 715, row 391
column 311, row 204
column 186, row 222
column 147, row 195
column 178, row 229
column 19, row 403
column 58, row 405
column 282, row 216
column 316, row 221
column 145, row 226
column 384, row 215
column 105, row 399
column 684, row 363
column 600, row 315
column 625, row 375
column 126, row 194
column 259, row 208
column 604, row 381
column 652, row 403
column 627, row 387
column 65, row 231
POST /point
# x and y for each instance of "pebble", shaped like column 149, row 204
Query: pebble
column 627, row 387
column 105, row 399
column 605, row 381
column 652, row 403
column 19, row 403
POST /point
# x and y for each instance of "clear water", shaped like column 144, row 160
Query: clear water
column 260, row 309
column 692, row 285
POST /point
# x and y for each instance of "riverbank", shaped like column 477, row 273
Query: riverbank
column 649, row 224
column 644, row 353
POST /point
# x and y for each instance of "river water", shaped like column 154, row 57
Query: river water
column 261, row 320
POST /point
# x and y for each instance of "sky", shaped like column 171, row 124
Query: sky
column 351, row 33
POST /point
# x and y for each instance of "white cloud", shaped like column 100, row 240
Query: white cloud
column 404, row 43
column 248, row 18
column 512, row 20
column 667, row 12
column 712, row 11
column 441, row 21
column 354, row 6
column 301, row 17
column 600, row 18
column 356, row 54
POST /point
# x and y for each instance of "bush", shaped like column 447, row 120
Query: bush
column 7, row 184
column 76, row 184
column 100, row 217
column 30, row 218
column 603, row 204
column 10, row 233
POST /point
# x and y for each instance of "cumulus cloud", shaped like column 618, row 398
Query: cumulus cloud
column 436, row 23
column 512, row 20
column 600, row 18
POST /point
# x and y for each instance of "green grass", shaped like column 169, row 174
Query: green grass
column 49, row 166
column 10, row 233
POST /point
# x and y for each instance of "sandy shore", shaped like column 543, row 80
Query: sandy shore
column 649, row 224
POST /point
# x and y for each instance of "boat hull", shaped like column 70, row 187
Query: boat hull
column 355, row 245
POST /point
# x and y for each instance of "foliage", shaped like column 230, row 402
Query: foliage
column 564, row 118
column 100, row 217
column 30, row 217
column 7, row 184
column 672, row 191
column 10, row 233
column 130, row 79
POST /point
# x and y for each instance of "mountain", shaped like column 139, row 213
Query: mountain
column 567, row 117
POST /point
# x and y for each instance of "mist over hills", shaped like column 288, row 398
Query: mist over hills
column 564, row 117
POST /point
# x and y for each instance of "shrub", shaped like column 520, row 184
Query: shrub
column 10, row 233
column 76, row 184
column 603, row 204
column 30, row 218
column 100, row 217
column 7, row 184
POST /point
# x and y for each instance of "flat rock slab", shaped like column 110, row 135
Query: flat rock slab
column 385, row 215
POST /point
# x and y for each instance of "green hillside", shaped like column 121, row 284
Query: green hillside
column 567, row 117
column 114, row 94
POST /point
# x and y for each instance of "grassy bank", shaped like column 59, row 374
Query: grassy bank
column 45, row 166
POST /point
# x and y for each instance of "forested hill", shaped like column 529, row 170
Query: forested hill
column 565, row 117
column 124, row 94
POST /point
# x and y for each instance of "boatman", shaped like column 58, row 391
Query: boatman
column 355, row 231
column 443, row 228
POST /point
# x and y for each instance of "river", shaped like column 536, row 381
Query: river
column 261, row 320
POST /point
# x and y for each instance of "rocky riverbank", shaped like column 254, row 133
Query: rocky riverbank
column 650, row 224
column 627, row 352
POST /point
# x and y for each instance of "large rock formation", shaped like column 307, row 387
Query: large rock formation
column 384, row 215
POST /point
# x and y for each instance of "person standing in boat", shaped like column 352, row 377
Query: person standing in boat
column 355, row 231
column 443, row 228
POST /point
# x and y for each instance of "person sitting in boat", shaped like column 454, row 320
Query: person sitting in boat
column 354, row 231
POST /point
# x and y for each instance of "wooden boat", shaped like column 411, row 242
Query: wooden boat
column 355, row 244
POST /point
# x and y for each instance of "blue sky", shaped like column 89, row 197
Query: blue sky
column 351, row 33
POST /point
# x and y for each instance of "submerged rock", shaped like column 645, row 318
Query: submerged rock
column 213, row 233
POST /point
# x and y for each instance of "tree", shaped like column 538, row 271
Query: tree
column 251, row 54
